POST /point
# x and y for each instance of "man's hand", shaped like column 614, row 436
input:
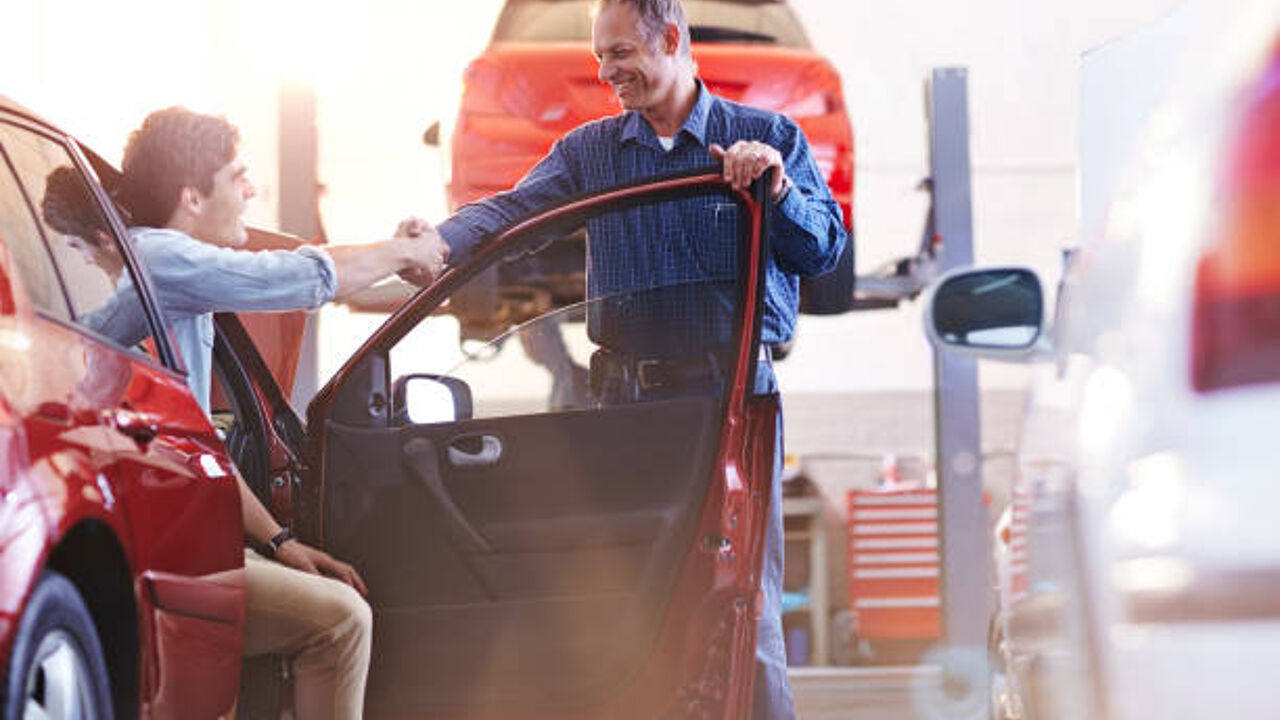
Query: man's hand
column 746, row 160
column 427, row 251
column 412, row 227
column 303, row 557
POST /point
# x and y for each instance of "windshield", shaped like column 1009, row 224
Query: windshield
column 710, row 21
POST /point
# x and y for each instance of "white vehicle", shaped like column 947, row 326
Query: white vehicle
column 1143, row 572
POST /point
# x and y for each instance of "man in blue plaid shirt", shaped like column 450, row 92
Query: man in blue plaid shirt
column 672, row 123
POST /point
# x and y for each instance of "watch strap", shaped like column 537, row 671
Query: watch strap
column 280, row 538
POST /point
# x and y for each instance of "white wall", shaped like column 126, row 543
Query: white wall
column 1023, row 62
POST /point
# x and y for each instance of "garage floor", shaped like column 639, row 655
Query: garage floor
column 881, row 693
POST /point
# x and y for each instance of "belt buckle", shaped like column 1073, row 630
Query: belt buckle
column 647, row 373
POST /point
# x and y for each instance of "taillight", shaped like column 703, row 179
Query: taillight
column 817, row 93
column 483, row 85
column 1235, row 338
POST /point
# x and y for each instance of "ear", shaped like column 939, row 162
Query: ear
column 671, row 39
column 189, row 200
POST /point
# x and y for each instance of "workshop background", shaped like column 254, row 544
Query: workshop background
column 858, row 387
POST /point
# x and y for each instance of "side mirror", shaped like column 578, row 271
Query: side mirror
column 996, row 313
column 424, row 399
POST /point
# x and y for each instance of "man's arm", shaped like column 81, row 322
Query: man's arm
column 550, row 181
column 810, row 234
column 260, row 526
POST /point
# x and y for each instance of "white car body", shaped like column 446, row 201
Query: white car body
column 1142, row 580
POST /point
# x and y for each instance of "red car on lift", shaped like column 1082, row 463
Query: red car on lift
column 537, row 80
column 532, row 550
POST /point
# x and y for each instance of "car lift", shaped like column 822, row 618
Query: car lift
column 947, row 243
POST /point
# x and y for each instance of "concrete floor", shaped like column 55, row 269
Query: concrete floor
column 882, row 693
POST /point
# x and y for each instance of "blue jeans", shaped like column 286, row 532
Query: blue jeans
column 772, row 699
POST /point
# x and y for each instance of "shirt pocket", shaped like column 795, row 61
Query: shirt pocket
column 714, row 245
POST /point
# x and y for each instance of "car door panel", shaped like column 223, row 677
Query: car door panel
column 545, row 555
column 567, row 555
column 574, row 491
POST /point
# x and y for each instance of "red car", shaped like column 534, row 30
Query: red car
column 121, row 546
column 533, row 548
column 537, row 80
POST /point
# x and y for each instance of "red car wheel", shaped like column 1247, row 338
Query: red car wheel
column 56, row 669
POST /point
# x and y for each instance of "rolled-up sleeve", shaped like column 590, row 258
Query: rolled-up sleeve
column 193, row 277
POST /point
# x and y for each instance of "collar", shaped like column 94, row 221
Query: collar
column 636, row 129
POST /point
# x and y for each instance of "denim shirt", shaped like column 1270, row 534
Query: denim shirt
column 194, row 279
column 807, row 237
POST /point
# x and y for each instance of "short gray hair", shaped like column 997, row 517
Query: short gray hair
column 655, row 15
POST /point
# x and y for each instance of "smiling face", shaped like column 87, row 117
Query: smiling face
column 219, row 216
column 645, row 77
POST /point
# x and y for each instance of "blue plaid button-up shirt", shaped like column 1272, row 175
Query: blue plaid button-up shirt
column 650, row 247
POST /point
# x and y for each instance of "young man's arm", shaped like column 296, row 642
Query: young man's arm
column 195, row 277
column 260, row 526
column 418, row 258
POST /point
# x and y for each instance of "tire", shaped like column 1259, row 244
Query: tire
column 830, row 293
column 56, row 669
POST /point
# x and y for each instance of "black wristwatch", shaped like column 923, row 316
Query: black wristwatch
column 280, row 538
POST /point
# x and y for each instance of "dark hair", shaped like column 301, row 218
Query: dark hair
column 175, row 148
column 68, row 207
column 655, row 15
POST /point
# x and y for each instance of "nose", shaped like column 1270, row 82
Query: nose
column 250, row 190
column 605, row 71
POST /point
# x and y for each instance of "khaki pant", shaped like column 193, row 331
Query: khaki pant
column 322, row 625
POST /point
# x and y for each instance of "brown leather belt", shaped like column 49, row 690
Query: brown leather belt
column 648, row 373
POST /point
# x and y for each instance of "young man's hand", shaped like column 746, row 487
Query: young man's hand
column 427, row 253
column 300, row 556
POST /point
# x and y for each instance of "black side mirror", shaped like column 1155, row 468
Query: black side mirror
column 421, row 399
column 1000, row 309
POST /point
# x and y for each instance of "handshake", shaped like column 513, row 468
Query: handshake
column 425, row 252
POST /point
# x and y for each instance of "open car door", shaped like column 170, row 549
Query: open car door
column 568, row 521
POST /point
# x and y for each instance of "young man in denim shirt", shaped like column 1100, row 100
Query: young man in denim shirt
column 187, row 190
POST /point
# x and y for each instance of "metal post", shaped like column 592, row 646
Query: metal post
column 299, row 209
column 962, row 518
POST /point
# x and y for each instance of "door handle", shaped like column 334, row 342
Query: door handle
column 420, row 455
column 133, row 425
column 462, row 452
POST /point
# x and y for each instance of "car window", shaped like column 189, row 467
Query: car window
column 79, row 240
column 658, row 322
column 709, row 21
column 25, row 246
